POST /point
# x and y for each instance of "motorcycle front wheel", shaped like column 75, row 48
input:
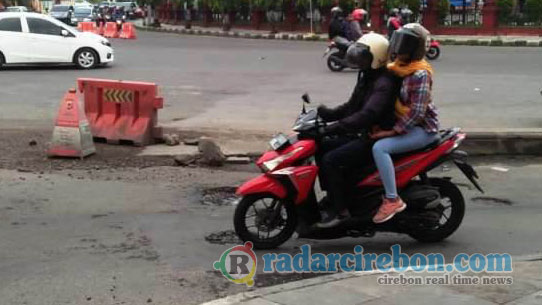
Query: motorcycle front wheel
column 450, row 211
column 264, row 220
column 433, row 53
column 333, row 62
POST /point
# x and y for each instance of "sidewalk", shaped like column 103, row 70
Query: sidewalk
column 519, row 41
column 364, row 289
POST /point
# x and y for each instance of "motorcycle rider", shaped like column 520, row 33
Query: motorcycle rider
column 372, row 103
column 394, row 22
column 354, row 25
column 406, row 15
column 337, row 26
column 417, row 122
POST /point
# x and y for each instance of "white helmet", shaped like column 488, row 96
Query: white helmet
column 374, row 44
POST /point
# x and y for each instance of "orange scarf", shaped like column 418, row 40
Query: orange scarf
column 403, row 70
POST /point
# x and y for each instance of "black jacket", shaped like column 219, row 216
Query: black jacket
column 372, row 103
column 337, row 28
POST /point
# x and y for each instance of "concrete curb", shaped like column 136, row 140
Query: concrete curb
column 235, row 34
column 482, row 41
column 503, row 142
column 261, row 292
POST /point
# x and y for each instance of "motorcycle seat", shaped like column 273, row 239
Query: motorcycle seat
column 445, row 135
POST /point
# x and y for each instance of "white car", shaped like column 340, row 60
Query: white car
column 16, row 9
column 30, row 38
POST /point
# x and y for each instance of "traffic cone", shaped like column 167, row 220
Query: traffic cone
column 71, row 135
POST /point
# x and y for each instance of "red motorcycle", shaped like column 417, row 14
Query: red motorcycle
column 283, row 199
column 434, row 50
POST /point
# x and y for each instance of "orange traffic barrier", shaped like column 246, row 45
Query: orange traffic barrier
column 71, row 136
column 111, row 30
column 100, row 29
column 128, row 31
column 122, row 111
column 86, row 27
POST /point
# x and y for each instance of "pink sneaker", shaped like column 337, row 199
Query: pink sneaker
column 388, row 209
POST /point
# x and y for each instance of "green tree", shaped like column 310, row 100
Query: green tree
column 413, row 5
column 265, row 5
column 533, row 10
column 226, row 8
column 505, row 10
column 443, row 7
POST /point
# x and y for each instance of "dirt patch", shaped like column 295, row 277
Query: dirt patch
column 25, row 151
column 493, row 201
column 271, row 279
column 219, row 196
column 223, row 238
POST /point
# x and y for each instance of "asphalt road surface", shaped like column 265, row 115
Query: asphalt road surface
column 255, row 85
column 104, row 234
column 108, row 236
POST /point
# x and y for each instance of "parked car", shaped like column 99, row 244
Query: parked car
column 30, row 38
column 62, row 12
column 83, row 14
column 16, row 9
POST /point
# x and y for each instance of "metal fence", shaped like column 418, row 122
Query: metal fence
column 464, row 12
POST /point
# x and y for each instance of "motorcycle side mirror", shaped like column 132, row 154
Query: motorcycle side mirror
column 306, row 98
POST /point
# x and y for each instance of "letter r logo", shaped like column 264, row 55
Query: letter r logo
column 238, row 262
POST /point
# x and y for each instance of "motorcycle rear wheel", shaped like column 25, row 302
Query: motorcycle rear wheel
column 433, row 53
column 333, row 64
column 264, row 220
column 451, row 198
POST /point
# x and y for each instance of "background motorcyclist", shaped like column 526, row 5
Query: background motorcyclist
column 406, row 15
column 394, row 22
column 357, row 18
column 371, row 103
column 337, row 25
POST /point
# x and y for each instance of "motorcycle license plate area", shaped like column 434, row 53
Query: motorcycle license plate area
column 279, row 141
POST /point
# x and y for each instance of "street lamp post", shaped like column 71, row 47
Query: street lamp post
column 310, row 8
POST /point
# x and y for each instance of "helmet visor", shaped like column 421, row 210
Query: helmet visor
column 359, row 56
column 403, row 42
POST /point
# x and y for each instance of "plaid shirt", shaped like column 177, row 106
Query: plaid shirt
column 416, row 95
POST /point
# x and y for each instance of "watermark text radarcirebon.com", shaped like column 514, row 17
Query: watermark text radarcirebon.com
column 397, row 261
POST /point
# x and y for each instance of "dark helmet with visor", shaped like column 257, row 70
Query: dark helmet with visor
column 409, row 40
column 336, row 12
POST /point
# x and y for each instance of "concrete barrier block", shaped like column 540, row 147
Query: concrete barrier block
column 496, row 42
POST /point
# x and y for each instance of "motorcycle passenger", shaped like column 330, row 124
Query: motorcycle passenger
column 417, row 122
column 337, row 26
column 406, row 15
column 372, row 103
column 354, row 25
column 394, row 22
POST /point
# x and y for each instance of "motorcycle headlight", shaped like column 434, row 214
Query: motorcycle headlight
column 272, row 164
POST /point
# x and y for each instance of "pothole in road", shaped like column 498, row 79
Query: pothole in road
column 223, row 238
column 492, row 201
column 219, row 196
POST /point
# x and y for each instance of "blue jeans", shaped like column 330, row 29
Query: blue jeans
column 415, row 138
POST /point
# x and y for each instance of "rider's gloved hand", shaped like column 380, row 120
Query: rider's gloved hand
column 324, row 113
